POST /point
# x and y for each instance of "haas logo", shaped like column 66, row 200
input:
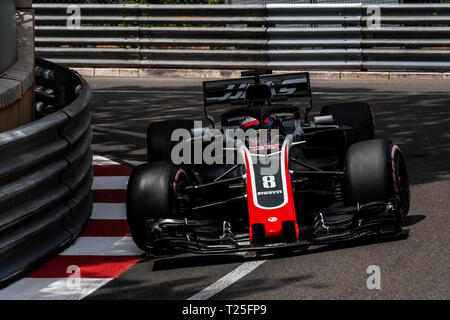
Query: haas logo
column 272, row 219
column 237, row 91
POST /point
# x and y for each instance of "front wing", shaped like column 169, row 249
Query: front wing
column 332, row 226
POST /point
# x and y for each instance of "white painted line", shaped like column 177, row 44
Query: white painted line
column 103, row 246
column 110, row 183
column 134, row 163
column 52, row 289
column 227, row 280
column 109, row 211
column 122, row 132
column 99, row 160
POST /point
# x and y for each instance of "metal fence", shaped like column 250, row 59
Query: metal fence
column 311, row 1
column 275, row 36
column 46, row 174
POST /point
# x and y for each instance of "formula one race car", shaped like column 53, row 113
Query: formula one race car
column 270, row 178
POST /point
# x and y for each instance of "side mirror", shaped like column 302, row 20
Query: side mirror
column 323, row 120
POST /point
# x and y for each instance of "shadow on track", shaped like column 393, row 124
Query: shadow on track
column 132, row 289
column 415, row 219
column 195, row 261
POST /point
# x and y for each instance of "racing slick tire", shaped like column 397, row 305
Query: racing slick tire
column 150, row 195
column 375, row 170
column 358, row 115
column 159, row 135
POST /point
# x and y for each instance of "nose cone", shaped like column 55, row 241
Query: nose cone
column 269, row 196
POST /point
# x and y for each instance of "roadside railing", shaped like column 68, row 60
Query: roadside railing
column 276, row 36
column 46, row 173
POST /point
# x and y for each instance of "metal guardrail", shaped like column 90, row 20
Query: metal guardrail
column 155, row 36
column 276, row 36
column 46, row 174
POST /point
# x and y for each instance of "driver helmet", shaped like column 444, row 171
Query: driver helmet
column 252, row 123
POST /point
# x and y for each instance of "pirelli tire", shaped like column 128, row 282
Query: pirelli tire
column 358, row 115
column 159, row 138
column 151, row 195
column 375, row 170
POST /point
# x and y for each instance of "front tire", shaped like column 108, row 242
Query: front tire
column 151, row 195
column 375, row 170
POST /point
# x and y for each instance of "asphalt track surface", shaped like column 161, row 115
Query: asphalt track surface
column 415, row 114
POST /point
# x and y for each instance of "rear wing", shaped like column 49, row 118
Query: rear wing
column 283, row 86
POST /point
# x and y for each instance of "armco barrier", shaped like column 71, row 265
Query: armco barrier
column 276, row 36
column 46, row 173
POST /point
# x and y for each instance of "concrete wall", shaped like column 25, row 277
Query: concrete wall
column 17, row 83
column 7, row 34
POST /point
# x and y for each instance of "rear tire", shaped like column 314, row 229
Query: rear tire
column 375, row 170
column 159, row 135
column 358, row 115
column 150, row 195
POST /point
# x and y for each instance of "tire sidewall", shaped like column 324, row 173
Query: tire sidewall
column 400, row 181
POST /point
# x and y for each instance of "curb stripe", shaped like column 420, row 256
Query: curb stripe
column 89, row 267
column 115, row 211
column 110, row 196
column 111, row 170
column 99, row 160
column 106, row 228
column 102, row 183
column 103, row 246
column 51, row 289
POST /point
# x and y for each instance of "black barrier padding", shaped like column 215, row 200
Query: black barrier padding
column 36, row 179
column 45, row 196
column 80, row 147
column 29, row 254
column 34, row 203
column 31, row 153
column 76, row 172
column 30, row 228
column 77, row 126
column 80, row 204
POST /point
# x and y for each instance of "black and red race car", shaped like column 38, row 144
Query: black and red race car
column 288, row 182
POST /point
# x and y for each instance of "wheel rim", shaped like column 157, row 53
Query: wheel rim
column 181, row 181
